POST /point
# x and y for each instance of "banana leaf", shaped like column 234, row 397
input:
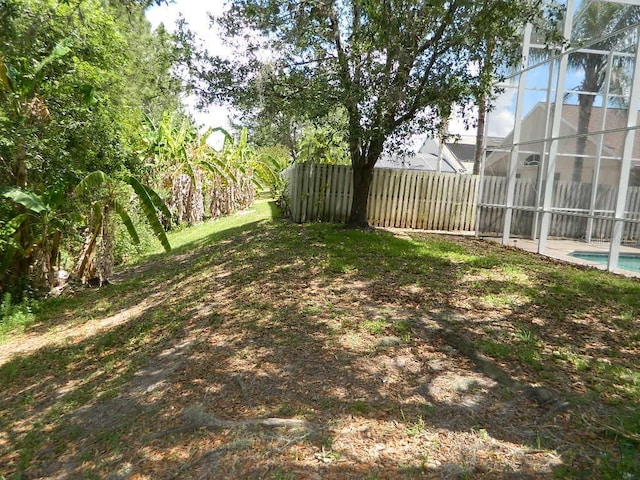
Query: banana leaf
column 126, row 219
column 9, row 228
column 217, row 168
column 27, row 199
column 91, row 182
column 158, row 203
column 149, row 211
column 227, row 135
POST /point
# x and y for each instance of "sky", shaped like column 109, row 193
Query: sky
column 196, row 15
column 500, row 120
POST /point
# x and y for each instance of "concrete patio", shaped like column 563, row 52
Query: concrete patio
column 561, row 250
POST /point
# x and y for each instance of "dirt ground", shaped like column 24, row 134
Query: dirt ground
column 232, row 362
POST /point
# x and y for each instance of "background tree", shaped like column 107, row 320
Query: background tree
column 75, row 78
column 595, row 20
column 395, row 67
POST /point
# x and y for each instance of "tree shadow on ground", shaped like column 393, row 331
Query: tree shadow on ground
column 340, row 328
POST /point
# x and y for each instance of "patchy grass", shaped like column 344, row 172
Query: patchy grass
column 338, row 335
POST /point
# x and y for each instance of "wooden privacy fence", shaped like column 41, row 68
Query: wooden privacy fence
column 398, row 198
column 449, row 202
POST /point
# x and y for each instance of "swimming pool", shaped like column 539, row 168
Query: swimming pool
column 626, row 261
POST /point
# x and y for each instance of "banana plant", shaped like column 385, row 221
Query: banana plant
column 192, row 170
column 22, row 104
column 105, row 196
column 241, row 156
column 181, row 157
column 45, row 220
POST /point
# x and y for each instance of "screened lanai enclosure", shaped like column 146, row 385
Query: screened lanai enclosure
column 569, row 162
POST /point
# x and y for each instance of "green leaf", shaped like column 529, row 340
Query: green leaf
column 7, row 257
column 59, row 51
column 4, row 79
column 218, row 168
column 126, row 219
column 9, row 228
column 244, row 138
column 157, row 201
column 91, row 182
column 149, row 211
column 88, row 94
column 27, row 199
column 227, row 135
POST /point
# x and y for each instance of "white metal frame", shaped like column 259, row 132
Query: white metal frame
column 558, row 70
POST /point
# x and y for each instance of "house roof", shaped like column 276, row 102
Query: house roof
column 616, row 119
column 463, row 151
column 425, row 159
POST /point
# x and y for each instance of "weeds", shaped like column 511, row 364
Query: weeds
column 15, row 318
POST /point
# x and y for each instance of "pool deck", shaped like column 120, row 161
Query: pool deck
column 561, row 250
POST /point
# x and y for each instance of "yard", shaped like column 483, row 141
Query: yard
column 262, row 349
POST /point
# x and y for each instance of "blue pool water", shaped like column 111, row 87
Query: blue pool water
column 626, row 261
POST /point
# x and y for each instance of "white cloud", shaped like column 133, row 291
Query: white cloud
column 196, row 15
column 501, row 118
column 500, row 123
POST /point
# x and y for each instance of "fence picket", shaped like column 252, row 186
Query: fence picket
column 443, row 201
column 402, row 217
column 415, row 207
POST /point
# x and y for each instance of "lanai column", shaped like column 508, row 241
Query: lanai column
column 515, row 150
column 596, row 168
column 625, row 167
column 543, row 154
column 555, row 132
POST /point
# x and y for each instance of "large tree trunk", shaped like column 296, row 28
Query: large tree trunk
column 584, row 117
column 362, row 176
column 487, row 70
column 482, row 117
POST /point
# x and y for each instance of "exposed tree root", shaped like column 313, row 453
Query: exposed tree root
column 553, row 402
column 198, row 418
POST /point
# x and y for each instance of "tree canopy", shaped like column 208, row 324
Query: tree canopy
column 75, row 81
column 93, row 137
column 395, row 67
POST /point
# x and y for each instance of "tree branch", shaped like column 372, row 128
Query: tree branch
column 350, row 100
column 419, row 93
